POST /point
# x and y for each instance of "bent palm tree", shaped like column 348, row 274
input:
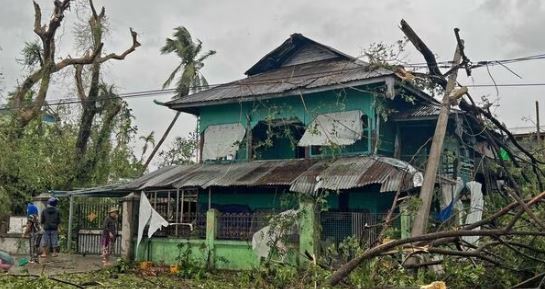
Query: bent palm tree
column 190, row 80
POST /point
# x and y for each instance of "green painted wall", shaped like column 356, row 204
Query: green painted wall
column 375, row 202
column 361, row 199
column 387, row 138
column 254, row 200
column 229, row 255
column 290, row 108
column 235, row 255
column 282, row 149
column 165, row 250
column 287, row 108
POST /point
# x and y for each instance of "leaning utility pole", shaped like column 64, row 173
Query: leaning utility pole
column 538, row 132
column 426, row 192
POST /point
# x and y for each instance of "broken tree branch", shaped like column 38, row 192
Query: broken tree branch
column 443, row 237
column 122, row 56
column 344, row 270
column 38, row 29
column 79, row 82
column 424, row 50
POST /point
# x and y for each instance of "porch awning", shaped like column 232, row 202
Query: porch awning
column 306, row 176
column 338, row 128
column 222, row 140
column 299, row 175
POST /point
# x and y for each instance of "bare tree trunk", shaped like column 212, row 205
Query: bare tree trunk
column 46, row 33
column 89, row 106
column 84, row 164
column 156, row 148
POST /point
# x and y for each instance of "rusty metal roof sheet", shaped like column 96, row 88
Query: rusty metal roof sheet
column 285, row 81
column 137, row 183
column 299, row 175
column 349, row 173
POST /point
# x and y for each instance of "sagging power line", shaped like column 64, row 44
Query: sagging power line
column 248, row 81
column 149, row 93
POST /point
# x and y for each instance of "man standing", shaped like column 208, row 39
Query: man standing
column 50, row 219
column 109, row 234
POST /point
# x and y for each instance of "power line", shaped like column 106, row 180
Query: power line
column 148, row 93
column 477, row 64
column 506, row 85
column 248, row 81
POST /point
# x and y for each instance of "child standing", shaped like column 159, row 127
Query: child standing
column 32, row 230
column 109, row 234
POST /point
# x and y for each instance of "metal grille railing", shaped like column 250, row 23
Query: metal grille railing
column 337, row 226
column 89, row 225
column 192, row 225
column 89, row 243
column 91, row 214
column 241, row 226
column 180, row 210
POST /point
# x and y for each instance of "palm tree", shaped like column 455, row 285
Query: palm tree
column 148, row 140
column 191, row 79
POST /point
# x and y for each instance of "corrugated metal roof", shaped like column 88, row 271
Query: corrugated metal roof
column 422, row 111
column 289, row 80
column 349, row 173
column 137, row 183
column 298, row 175
column 525, row 130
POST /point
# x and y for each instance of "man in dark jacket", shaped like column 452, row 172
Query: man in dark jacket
column 50, row 220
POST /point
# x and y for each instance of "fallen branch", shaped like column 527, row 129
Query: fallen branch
column 344, row 270
column 48, row 277
column 438, row 238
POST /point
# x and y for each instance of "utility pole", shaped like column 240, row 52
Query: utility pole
column 538, row 131
column 426, row 192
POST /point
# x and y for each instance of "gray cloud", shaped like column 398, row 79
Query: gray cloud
column 243, row 31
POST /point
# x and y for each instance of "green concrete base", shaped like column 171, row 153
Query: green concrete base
column 229, row 255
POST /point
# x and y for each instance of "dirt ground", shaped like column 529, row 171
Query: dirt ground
column 64, row 263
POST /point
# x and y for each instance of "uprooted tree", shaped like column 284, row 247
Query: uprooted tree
column 513, row 226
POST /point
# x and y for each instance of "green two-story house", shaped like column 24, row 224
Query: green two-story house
column 306, row 110
column 307, row 122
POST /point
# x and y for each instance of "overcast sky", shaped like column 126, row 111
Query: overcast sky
column 243, row 31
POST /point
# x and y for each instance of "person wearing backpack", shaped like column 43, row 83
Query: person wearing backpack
column 50, row 220
column 32, row 231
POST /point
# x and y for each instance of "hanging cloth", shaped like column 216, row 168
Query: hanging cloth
column 338, row 128
column 450, row 197
column 156, row 222
column 476, row 209
column 144, row 215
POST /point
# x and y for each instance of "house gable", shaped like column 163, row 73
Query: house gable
column 309, row 53
column 297, row 49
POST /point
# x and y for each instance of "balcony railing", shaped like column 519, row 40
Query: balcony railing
column 241, row 226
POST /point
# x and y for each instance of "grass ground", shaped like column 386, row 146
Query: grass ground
column 106, row 279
